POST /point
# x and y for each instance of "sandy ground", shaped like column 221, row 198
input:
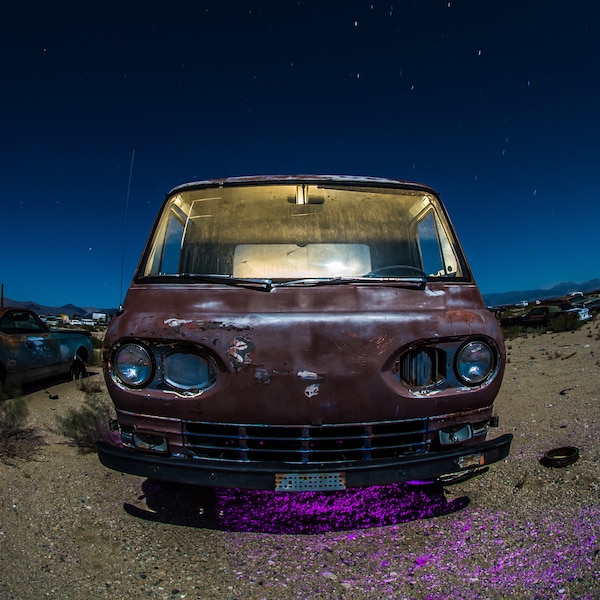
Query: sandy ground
column 69, row 528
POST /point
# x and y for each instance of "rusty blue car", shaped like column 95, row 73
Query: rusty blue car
column 31, row 351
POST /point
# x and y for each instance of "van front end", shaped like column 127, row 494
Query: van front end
column 295, row 334
column 239, row 398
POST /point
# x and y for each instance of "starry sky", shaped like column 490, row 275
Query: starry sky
column 106, row 106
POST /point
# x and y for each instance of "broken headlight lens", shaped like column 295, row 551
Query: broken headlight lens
column 132, row 365
column 475, row 362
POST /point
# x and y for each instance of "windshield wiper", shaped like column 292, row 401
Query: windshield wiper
column 253, row 283
column 267, row 284
column 410, row 282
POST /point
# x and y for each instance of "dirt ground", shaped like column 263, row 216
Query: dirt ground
column 70, row 528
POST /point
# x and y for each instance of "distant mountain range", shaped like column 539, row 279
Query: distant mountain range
column 500, row 299
column 558, row 291
column 67, row 309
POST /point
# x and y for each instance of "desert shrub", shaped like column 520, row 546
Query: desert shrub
column 90, row 385
column 87, row 424
column 16, row 440
column 13, row 414
column 512, row 331
column 566, row 322
column 96, row 359
column 97, row 343
column 7, row 391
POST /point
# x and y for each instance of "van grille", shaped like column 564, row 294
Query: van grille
column 307, row 444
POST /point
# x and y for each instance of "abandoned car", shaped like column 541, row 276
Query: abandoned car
column 31, row 351
column 544, row 315
column 301, row 333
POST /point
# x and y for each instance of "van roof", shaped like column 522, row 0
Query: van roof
column 303, row 179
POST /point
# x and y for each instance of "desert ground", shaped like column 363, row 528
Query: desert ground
column 72, row 529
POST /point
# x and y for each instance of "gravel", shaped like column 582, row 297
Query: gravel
column 69, row 528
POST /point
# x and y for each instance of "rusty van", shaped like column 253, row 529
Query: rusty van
column 303, row 333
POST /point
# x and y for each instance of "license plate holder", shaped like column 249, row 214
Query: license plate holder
column 309, row 482
column 471, row 460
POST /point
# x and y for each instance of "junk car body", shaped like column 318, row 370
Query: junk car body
column 539, row 316
column 544, row 315
column 31, row 351
column 301, row 333
column 582, row 312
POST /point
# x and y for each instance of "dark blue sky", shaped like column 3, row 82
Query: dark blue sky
column 494, row 104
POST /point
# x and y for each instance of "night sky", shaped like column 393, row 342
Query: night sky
column 494, row 104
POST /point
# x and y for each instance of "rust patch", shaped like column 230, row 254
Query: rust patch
column 463, row 315
column 239, row 352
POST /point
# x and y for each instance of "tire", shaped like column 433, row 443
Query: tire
column 560, row 457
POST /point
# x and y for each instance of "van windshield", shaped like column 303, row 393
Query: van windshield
column 285, row 232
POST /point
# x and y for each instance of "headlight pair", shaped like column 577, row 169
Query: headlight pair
column 135, row 365
column 473, row 363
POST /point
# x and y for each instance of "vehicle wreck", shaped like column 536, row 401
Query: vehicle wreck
column 303, row 333
column 31, row 351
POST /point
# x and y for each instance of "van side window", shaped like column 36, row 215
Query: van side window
column 165, row 256
column 437, row 255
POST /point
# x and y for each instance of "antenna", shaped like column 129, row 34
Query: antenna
column 125, row 230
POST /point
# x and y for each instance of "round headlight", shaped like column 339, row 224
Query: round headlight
column 188, row 371
column 132, row 365
column 475, row 362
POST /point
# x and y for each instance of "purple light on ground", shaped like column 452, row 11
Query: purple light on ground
column 473, row 555
column 319, row 512
column 294, row 512
column 480, row 549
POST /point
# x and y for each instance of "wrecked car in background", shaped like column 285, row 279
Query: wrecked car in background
column 539, row 316
column 303, row 333
column 583, row 313
column 31, row 351
column 544, row 315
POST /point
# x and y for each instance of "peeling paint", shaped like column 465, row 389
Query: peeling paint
column 177, row 322
column 239, row 352
column 311, row 390
column 310, row 375
column 203, row 325
column 262, row 375
column 425, row 392
column 430, row 292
